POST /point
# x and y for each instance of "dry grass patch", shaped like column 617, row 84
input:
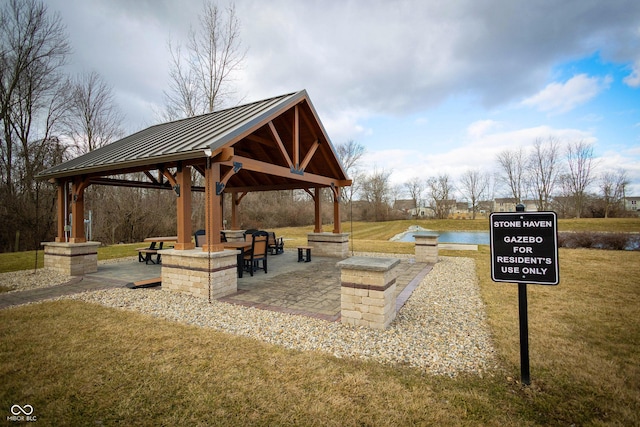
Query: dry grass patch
column 584, row 335
column 78, row 363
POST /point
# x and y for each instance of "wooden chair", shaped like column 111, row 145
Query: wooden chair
column 249, row 233
column 200, row 238
column 257, row 253
column 276, row 245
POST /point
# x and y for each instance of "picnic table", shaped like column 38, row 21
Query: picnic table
column 241, row 246
column 155, row 245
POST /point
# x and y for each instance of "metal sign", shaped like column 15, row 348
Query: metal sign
column 524, row 247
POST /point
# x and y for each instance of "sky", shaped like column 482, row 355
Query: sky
column 427, row 87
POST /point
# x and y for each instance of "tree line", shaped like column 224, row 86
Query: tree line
column 552, row 174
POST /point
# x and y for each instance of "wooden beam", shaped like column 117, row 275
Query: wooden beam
column 260, row 140
column 138, row 184
column 296, row 138
column 183, row 207
column 310, row 125
column 151, row 177
column 313, row 197
column 169, row 176
column 337, row 225
column 212, row 211
column 317, row 212
column 77, row 210
column 309, row 155
column 274, row 131
column 61, row 220
column 270, row 169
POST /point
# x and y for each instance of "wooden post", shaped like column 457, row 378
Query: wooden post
column 77, row 211
column 234, row 211
column 318, row 213
column 61, row 220
column 183, row 205
column 212, row 211
column 337, row 225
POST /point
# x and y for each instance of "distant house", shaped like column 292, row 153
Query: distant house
column 423, row 212
column 507, row 204
column 632, row 204
column 404, row 205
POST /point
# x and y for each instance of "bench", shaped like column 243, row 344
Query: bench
column 304, row 253
column 144, row 254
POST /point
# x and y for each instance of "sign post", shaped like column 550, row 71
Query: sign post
column 524, row 249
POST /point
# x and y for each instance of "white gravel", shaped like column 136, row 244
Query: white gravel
column 441, row 329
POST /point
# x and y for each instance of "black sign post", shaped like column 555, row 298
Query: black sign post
column 524, row 249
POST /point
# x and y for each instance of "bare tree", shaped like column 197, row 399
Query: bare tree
column 612, row 186
column 513, row 164
column 376, row 191
column 474, row 186
column 440, row 190
column 579, row 176
column 544, row 164
column 350, row 154
column 200, row 81
column 93, row 119
column 415, row 187
column 33, row 49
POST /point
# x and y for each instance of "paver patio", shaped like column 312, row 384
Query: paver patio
column 310, row 289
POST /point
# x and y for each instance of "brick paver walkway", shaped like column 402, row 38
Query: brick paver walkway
column 311, row 289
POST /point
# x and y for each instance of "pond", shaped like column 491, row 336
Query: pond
column 465, row 237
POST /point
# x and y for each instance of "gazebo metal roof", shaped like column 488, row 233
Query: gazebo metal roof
column 282, row 131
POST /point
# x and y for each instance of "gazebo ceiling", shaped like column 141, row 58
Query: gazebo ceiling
column 276, row 143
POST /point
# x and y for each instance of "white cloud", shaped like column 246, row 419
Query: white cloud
column 564, row 97
column 633, row 79
column 481, row 127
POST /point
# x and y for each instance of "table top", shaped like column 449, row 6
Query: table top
column 162, row 239
column 236, row 245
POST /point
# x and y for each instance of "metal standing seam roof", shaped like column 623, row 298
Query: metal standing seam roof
column 178, row 140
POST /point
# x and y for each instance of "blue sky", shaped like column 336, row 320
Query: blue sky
column 428, row 87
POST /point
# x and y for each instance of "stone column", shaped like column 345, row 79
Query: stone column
column 188, row 271
column 72, row 259
column 234, row 235
column 368, row 291
column 426, row 248
column 329, row 244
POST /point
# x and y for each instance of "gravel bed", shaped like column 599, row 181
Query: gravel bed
column 23, row 280
column 441, row 329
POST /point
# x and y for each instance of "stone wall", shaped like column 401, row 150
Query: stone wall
column 72, row 259
column 329, row 244
column 188, row 272
column 426, row 248
column 368, row 291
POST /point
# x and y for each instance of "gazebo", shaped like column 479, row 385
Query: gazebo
column 274, row 144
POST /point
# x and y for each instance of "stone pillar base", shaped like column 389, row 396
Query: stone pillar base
column 368, row 291
column 188, row 272
column 234, row 235
column 426, row 248
column 72, row 259
column 329, row 244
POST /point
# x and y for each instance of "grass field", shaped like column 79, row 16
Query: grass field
column 80, row 364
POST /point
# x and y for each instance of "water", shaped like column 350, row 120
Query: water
column 465, row 237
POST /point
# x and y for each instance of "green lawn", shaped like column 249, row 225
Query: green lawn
column 81, row 364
